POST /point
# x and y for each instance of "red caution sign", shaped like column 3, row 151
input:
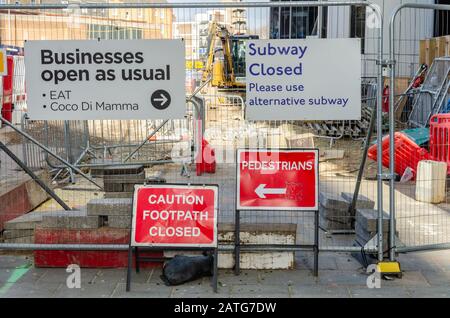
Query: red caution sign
column 175, row 215
column 271, row 179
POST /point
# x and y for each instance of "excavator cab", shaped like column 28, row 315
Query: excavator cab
column 238, row 48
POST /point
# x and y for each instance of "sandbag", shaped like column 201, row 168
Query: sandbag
column 182, row 269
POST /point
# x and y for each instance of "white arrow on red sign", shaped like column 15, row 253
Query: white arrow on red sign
column 261, row 191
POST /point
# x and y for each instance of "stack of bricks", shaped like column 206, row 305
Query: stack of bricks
column 119, row 181
column 114, row 213
column 334, row 210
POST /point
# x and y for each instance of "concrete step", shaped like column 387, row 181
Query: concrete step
column 30, row 220
column 362, row 202
column 73, row 220
column 119, row 221
column 109, row 207
column 333, row 201
column 341, row 216
column 368, row 219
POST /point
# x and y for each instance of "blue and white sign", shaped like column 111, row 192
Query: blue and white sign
column 311, row 79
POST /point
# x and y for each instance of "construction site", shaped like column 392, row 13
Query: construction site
column 69, row 187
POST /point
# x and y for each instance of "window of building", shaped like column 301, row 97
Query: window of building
column 358, row 24
column 441, row 20
column 296, row 22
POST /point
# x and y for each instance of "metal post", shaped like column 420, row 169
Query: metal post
column 352, row 207
column 237, row 243
column 377, row 11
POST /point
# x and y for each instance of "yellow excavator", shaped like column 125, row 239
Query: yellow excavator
column 225, row 65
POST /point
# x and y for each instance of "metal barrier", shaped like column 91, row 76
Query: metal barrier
column 419, row 225
column 91, row 144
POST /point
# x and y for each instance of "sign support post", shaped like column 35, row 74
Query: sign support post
column 277, row 180
column 192, row 226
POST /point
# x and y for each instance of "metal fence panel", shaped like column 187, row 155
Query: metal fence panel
column 91, row 144
column 421, row 221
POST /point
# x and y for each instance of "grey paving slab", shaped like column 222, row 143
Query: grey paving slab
column 319, row 291
column 12, row 261
column 435, row 292
column 383, row 292
column 25, row 290
column 245, row 277
column 59, row 275
column 342, row 278
column 88, row 290
column 141, row 290
column 33, row 275
column 347, row 262
column 327, row 261
column 440, row 278
column 110, row 276
column 409, row 278
column 287, row 278
column 260, row 291
column 203, row 291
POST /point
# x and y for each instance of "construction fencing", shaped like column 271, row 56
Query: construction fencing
column 419, row 53
column 68, row 154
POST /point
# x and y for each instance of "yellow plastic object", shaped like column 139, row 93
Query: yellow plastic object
column 389, row 268
column 2, row 65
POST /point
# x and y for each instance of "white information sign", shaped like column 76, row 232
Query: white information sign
column 311, row 79
column 105, row 79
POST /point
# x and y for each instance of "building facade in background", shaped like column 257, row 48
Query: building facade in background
column 17, row 26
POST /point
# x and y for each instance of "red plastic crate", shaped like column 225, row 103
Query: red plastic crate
column 440, row 138
column 407, row 153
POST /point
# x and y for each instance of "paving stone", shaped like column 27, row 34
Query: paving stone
column 368, row 219
column 86, row 291
column 141, row 290
column 318, row 291
column 202, row 291
column 327, row 261
column 436, row 278
column 20, row 240
column 333, row 201
column 42, row 290
column 10, row 234
column 330, row 225
column 383, row 292
column 119, row 221
column 30, row 220
column 430, row 292
column 109, row 207
column 123, row 169
column 124, row 178
column 118, row 195
column 245, row 277
column 287, row 277
column 410, row 279
column 260, row 291
column 70, row 222
column 345, row 278
column 362, row 202
column 339, row 216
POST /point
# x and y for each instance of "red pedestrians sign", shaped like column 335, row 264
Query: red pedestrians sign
column 272, row 179
column 175, row 215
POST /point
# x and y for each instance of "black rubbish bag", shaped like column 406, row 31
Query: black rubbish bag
column 182, row 269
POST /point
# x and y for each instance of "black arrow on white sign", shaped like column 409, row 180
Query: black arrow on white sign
column 160, row 99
